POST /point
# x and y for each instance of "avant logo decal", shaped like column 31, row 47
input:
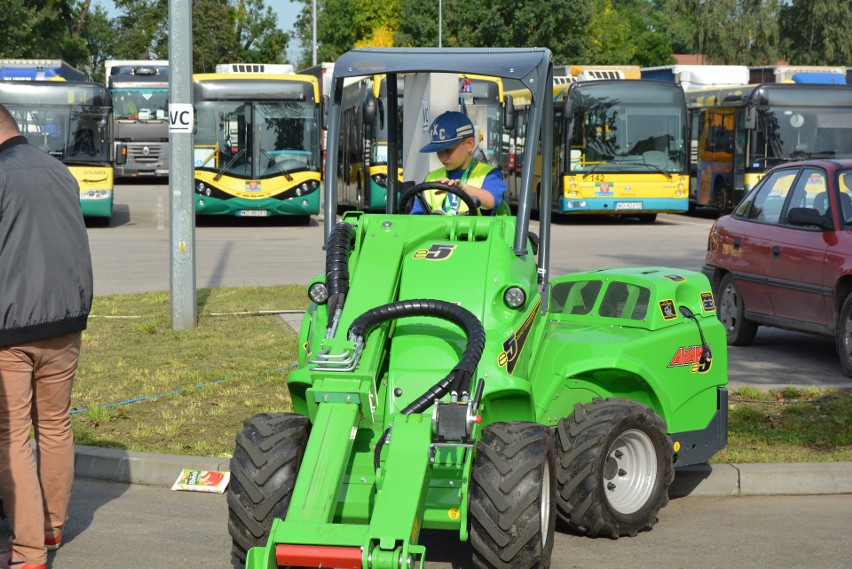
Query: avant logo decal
column 435, row 252
column 514, row 344
column 691, row 356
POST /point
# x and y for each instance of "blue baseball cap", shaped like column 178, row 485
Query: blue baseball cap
column 447, row 130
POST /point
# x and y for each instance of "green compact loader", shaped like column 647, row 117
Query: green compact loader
column 446, row 381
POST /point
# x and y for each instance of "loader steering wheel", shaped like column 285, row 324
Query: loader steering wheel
column 417, row 190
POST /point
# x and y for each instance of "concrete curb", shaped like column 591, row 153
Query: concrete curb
column 763, row 479
column 702, row 480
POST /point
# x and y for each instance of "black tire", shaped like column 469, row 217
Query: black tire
column 844, row 336
column 730, row 309
column 511, row 497
column 720, row 197
column 647, row 217
column 614, row 468
column 266, row 461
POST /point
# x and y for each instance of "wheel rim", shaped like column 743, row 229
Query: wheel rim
column 728, row 308
column 545, row 504
column 630, row 471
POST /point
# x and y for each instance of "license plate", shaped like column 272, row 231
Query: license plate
column 252, row 213
column 628, row 205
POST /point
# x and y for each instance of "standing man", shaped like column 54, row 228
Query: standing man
column 45, row 297
column 452, row 139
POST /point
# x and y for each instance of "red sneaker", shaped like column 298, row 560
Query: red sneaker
column 53, row 543
column 11, row 560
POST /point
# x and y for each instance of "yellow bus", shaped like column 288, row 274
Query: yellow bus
column 257, row 149
column 72, row 121
column 620, row 144
column 743, row 131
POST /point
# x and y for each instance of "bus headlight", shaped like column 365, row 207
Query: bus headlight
column 380, row 180
column 203, row 189
column 514, row 297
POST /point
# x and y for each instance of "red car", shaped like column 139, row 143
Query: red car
column 783, row 258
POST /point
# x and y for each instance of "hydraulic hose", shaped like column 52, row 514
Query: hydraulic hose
column 459, row 376
column 463, row 370
column 337, row 265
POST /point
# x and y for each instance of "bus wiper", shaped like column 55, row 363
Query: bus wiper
column 593, row 168
column 658, row 169
column 229, row 164
column 282, row 170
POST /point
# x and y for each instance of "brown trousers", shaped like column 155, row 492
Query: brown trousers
column 35, row 391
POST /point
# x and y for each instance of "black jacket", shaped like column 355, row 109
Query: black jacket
column 45, row 264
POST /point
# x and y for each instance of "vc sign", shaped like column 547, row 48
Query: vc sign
column 181, row 118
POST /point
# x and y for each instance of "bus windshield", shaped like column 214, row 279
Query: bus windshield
column 74, row 135
column 137, row 103
column 797, row 133
column 254, row 140
column 624, row 128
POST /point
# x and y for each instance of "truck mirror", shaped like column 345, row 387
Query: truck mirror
column 508, row 112
column 121, row 154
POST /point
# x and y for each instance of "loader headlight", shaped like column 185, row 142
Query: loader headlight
column 318, row 293
column 514, row 297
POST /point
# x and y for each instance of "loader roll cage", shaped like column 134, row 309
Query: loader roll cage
column 533, row 67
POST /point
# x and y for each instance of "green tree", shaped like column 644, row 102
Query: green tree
column 101, row 39
column 558, row 25
column 258, row 36
column 223, row 31
column 814, row 32
column 45, row 29
column 731, row 32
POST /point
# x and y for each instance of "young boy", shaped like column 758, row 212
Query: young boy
column 452, row 138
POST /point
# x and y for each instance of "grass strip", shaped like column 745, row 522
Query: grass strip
column 143, row 386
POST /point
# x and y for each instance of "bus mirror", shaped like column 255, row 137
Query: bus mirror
column 369, row 108
column 325, row 104
column 750, row 117
column 567, row 109
column 508, row 112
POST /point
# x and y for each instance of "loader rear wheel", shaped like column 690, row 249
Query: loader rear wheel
column 511, row 497
column 614, row 467
column 264, row 466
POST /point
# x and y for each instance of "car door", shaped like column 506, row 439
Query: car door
column 746, row 239
column 796, row 268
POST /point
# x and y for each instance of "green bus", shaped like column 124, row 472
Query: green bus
column 257, row 149
column 73, row 122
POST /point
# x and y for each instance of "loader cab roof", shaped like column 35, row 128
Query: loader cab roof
column 532, row 67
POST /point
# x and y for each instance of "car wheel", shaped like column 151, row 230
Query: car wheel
column 844, row 336
column 731, row 311
column 614, row 467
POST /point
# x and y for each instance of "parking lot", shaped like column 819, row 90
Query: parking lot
column 132, row 255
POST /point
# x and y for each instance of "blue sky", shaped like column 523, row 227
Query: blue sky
column 285, row 9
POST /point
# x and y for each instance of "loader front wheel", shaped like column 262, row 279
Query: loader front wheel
column 511, row 497
column 264, row 466
column 614, row 467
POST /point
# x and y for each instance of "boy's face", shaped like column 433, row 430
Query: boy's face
column 456, row 157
